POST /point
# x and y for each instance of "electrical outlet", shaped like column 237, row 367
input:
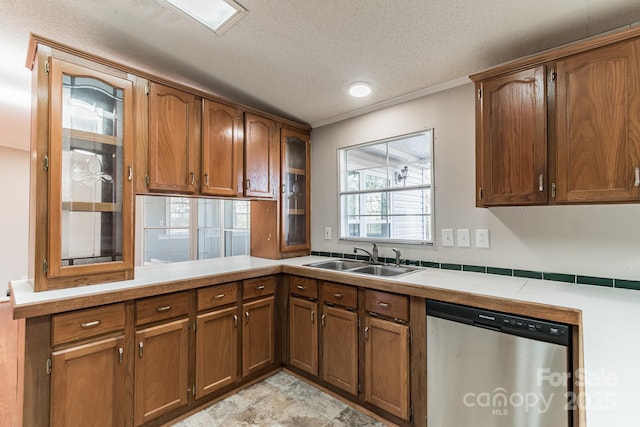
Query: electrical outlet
column 327, row 233
column 447, row 237
column 463, row 238
column 482, row 238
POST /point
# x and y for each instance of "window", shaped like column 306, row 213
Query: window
column 182, row 228
column 386, row 190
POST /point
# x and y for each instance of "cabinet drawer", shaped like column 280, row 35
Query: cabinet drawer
column 217, row 296
column 385, row 304
column 303, row 287
column 161, row 307
column 343, row 295
column 81, row 324
column 259, row 287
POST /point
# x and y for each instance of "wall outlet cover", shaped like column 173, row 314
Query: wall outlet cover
column 463, row 238
column 482, row 238
column 327, row 233
column 447, row 237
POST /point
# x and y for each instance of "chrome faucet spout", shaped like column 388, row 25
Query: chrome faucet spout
column 397, row 251
column 373, row 254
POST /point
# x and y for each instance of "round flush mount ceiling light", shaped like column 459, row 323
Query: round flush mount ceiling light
column 359, row 89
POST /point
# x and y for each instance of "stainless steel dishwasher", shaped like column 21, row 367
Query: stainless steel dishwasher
column 490, row 369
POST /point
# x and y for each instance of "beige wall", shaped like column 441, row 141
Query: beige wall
column 589, row 240
column 14, row 215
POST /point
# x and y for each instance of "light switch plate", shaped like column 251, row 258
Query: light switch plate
column 482, row 238
column 463, row 238
column 447, row 237
column 327, row 233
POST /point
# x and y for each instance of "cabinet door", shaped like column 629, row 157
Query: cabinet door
column 90, row 194
column 598, row 125
column 340, row 348
column 221, row 150
column 512, row 153
column 161, row 370
column 258, row 335
column 87, row 384
column 216, row 350
column 303, row 335
column 261, row 157
column 173, row 139
column 296, row 186
column 387, row 366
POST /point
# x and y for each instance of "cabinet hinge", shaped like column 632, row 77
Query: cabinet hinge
column 49, row 366
column 479, row 93
column 45, row 266
column 46, row 162
column 146, row 89
column 553, row 74
column 46, row 67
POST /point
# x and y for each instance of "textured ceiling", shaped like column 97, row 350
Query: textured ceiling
column 297, row 57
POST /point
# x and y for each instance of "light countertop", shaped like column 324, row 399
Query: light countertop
column 609, row 316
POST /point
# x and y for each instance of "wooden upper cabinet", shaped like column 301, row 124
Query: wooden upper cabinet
column 296, row 188
column 222, row 153
column 261, row 157
column 598, row 125
column 512, row 141
column 173, row 139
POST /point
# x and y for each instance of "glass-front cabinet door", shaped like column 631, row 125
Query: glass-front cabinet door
column 90, row 172
column 295, row 191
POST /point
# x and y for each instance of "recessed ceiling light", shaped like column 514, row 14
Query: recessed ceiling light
column 359, row 89
column 218, row 15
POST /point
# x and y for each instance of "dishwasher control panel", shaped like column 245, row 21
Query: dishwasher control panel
column 542, row 330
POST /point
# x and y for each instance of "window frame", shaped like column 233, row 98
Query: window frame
column 428, row 211
column 192, row 229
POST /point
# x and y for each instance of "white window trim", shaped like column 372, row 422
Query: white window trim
column 362, row 193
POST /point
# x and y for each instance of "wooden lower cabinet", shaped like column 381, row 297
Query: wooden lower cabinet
column 340, row 348
column 161, row 369
column 258, row 335
column 216, row 350
column 386, row 360
column 303, row 335
column 87, row 384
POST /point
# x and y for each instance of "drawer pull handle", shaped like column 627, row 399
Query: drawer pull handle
column 193, row 178
column 384, row 304
column 206, row 180
column 313, row 317
column 140, row 348
column 246, row 317
column 541, row 183
column 130, row 176
column 636, row 183
column 260, row 288
column 338, row 296
column 219, row 296
column 120, row 355
column 366, row 333
column 163, row 309
column 324, row 316
column 302, row 288
column 235, row 321
column 89, row 325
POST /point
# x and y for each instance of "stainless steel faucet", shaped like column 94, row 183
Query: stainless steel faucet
column 373, row 254
column 397, row 251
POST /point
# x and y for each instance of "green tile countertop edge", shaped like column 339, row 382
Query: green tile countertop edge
column 501, row 271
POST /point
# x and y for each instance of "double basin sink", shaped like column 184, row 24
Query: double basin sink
column 363, row 267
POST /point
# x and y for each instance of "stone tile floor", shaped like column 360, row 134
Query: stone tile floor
column 280, row 400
